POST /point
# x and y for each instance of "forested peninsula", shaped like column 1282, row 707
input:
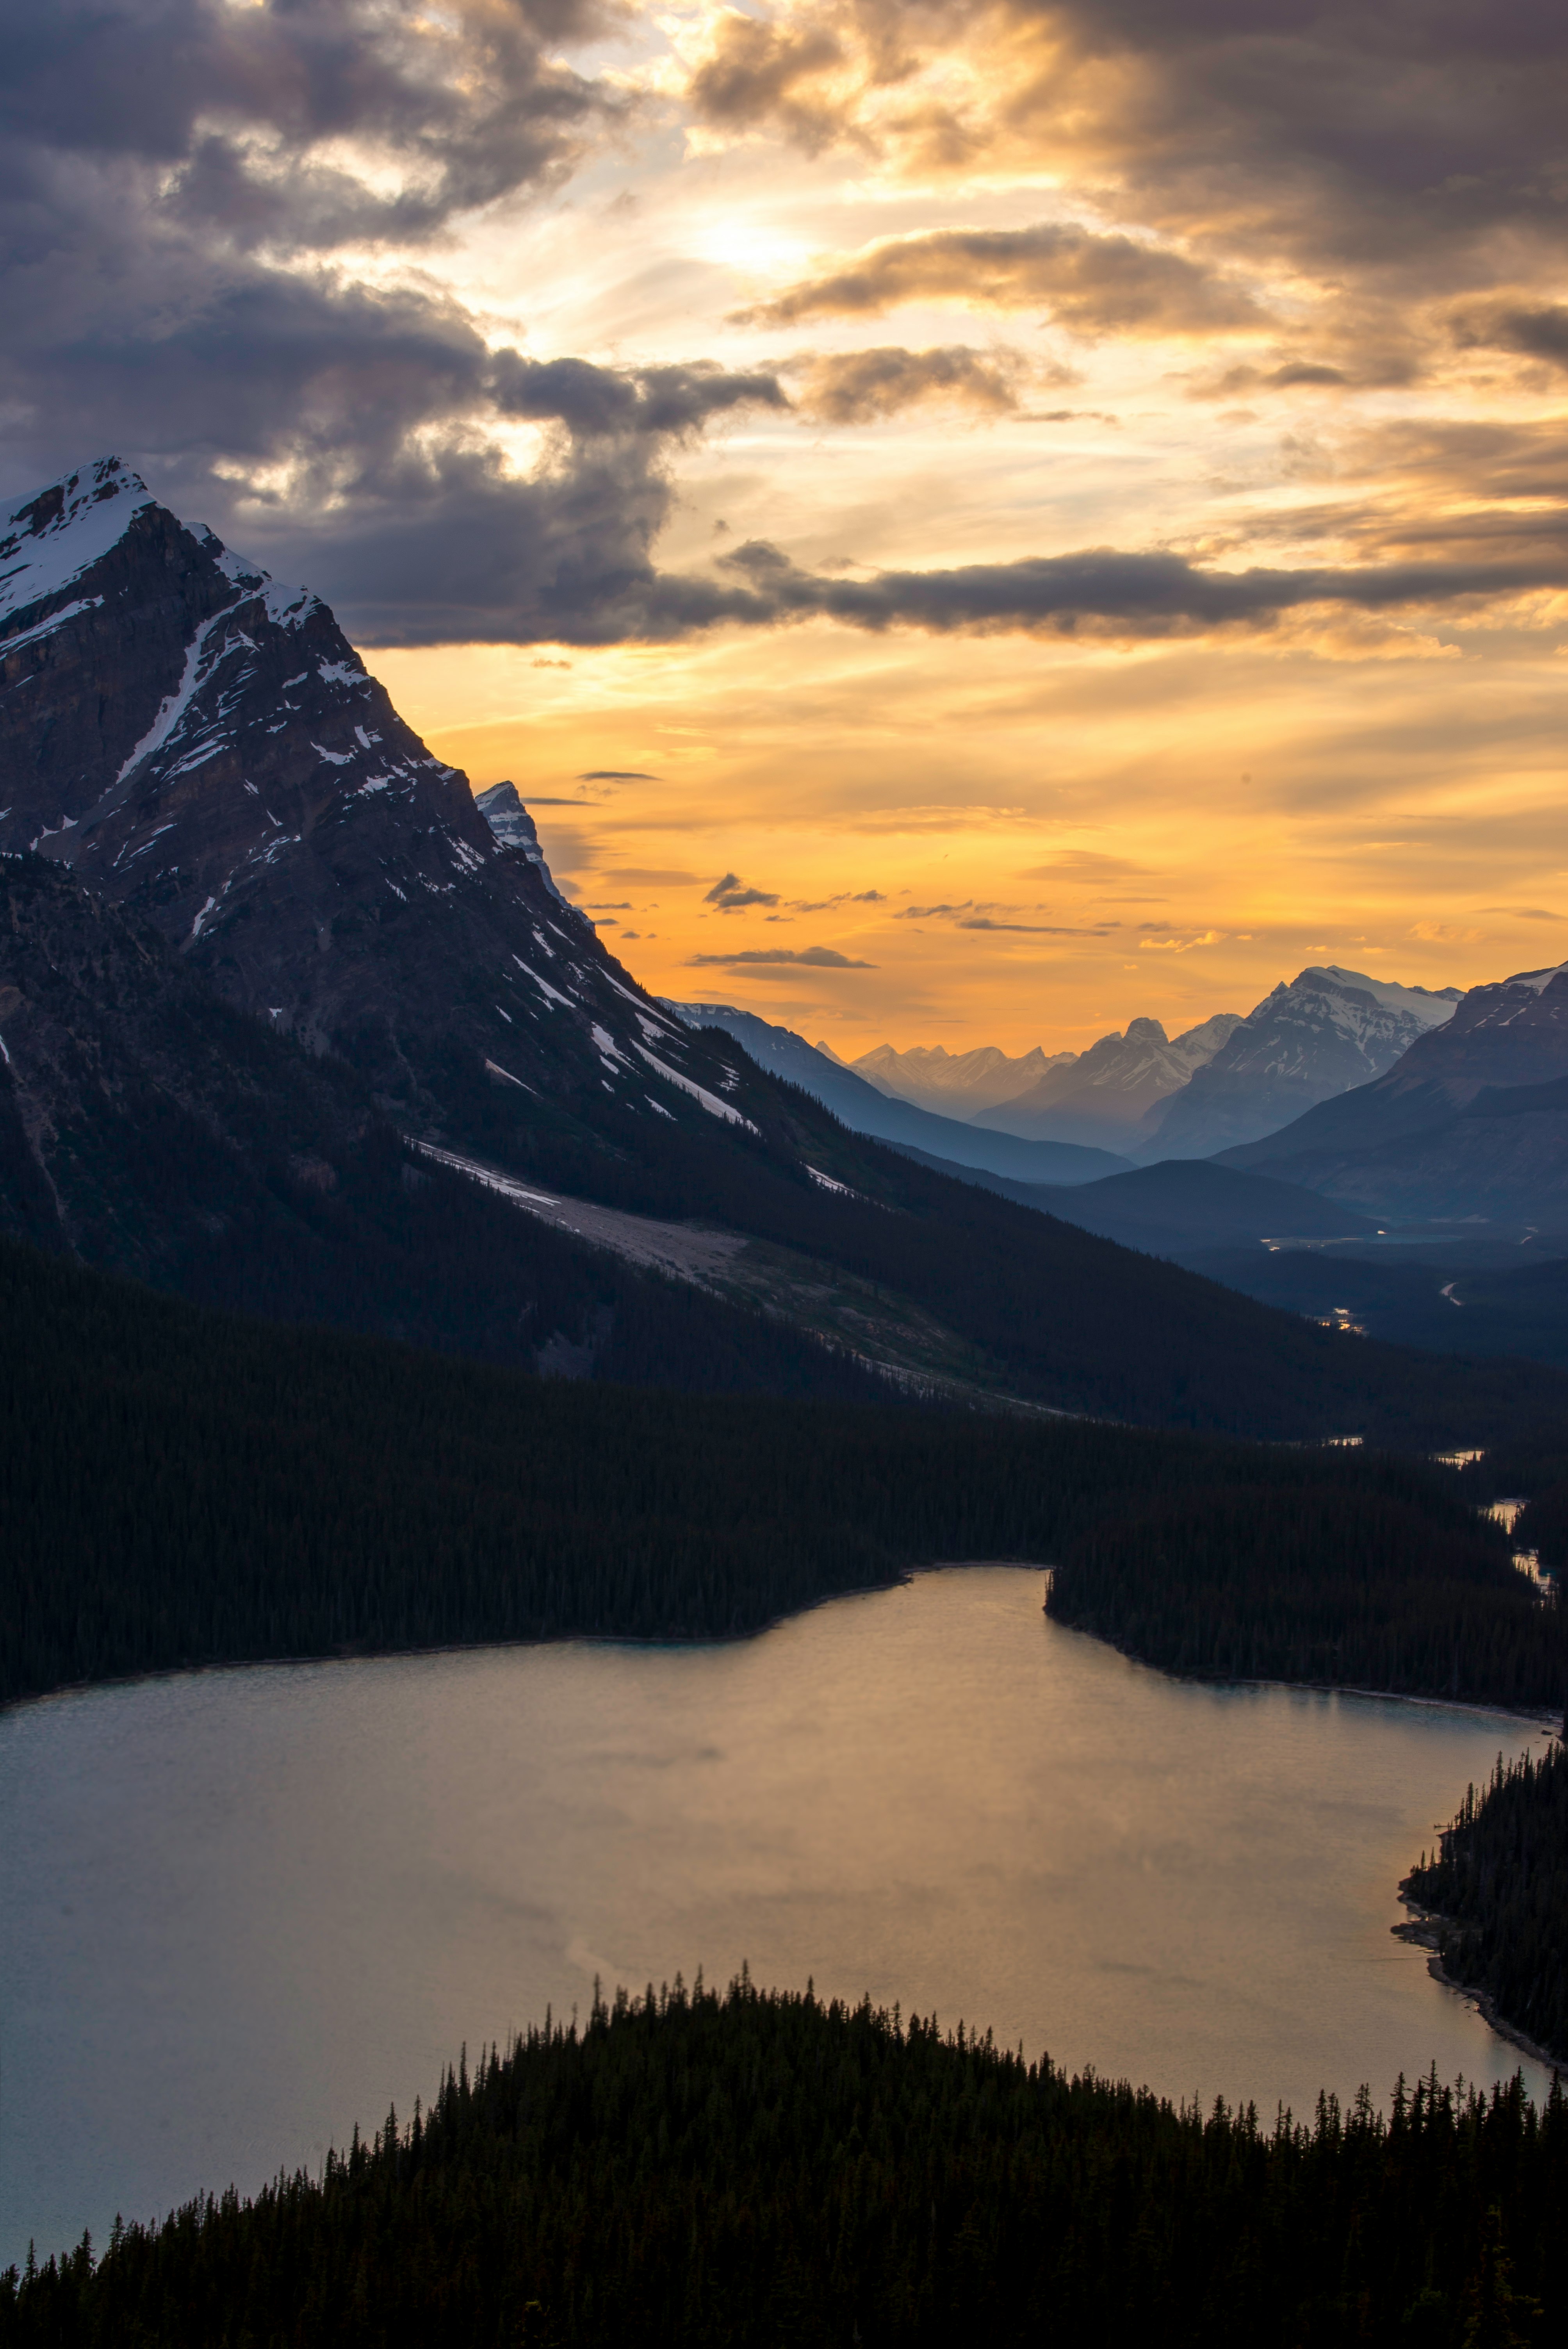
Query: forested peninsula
column 761, row 2168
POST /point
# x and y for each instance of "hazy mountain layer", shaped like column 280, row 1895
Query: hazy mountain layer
column 956, row 1084
column 866, row 1108
column 1103, row 1096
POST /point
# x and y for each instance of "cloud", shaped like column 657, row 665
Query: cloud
column 1035, row 930
column 1180, row 945
column 731, row 894
column 863, row 387
column 616, row 775
column 1092, row 284
column 969, row 916
column 1358, row 143
column 759, row 72
column 815, row 957
column 828, row 905
column 597, row 403
column 189, row 189
column 1145, row 595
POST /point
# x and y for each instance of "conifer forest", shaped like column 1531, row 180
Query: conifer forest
column 760, row 2167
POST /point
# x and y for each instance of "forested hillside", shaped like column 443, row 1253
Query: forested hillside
column 1499, row 1882
column 1360, row 1586
column 183, row 1486
column 761, row 2169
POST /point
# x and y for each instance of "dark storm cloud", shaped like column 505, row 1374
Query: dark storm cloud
column 864, row 387
column 1093, row 284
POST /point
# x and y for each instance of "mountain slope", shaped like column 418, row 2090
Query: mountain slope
column 1103, row 1097
column 147, row 1127
column 866, row 1109
column 1328, row 1031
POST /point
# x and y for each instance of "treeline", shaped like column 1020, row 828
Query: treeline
column 763, row 2168
column 1360, row 1585
column 181, row 1486
column 1499, row 1880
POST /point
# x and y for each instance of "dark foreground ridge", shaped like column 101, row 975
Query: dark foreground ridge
column 183, row 1486
column 762, row 2168
column 1499, row 1884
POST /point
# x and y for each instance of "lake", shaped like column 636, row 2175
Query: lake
column 241, row 1911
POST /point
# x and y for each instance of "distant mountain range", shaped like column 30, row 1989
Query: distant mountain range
column 1103, row 1097
column 1147, row 1096
column 956, row 1084
column 867, row 1108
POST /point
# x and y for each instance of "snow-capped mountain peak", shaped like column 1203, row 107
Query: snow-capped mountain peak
column 201, row 743
column 1329, row 1029
column 61, row 531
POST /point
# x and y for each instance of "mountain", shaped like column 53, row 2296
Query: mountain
column 865, row 1107
column 201, row 753
column 1103, row 1096
column 147, row 1127
column 197, row 743
column 1472, row 1120
column 955, row 1084
column 1328, row 1031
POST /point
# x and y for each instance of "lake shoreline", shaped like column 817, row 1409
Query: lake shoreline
column 352, row 1654
column 1423, row 1929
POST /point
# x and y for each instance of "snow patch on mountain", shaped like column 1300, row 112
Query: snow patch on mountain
column 63, row 530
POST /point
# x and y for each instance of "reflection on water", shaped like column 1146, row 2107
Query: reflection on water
column 241, row 1911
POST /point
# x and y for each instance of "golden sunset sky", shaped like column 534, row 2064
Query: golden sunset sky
column 1119, row 557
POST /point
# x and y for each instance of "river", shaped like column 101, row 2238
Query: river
column 241, row 1911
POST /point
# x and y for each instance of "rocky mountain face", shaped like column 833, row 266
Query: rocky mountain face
column 1102, row 1097
column 954, row 1084
column 1472, row 1119
column 148, row 1127
column 870, row 1109
column 1329, row 1029
column 203, row 747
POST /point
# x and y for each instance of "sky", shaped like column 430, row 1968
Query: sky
column 966, row 524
